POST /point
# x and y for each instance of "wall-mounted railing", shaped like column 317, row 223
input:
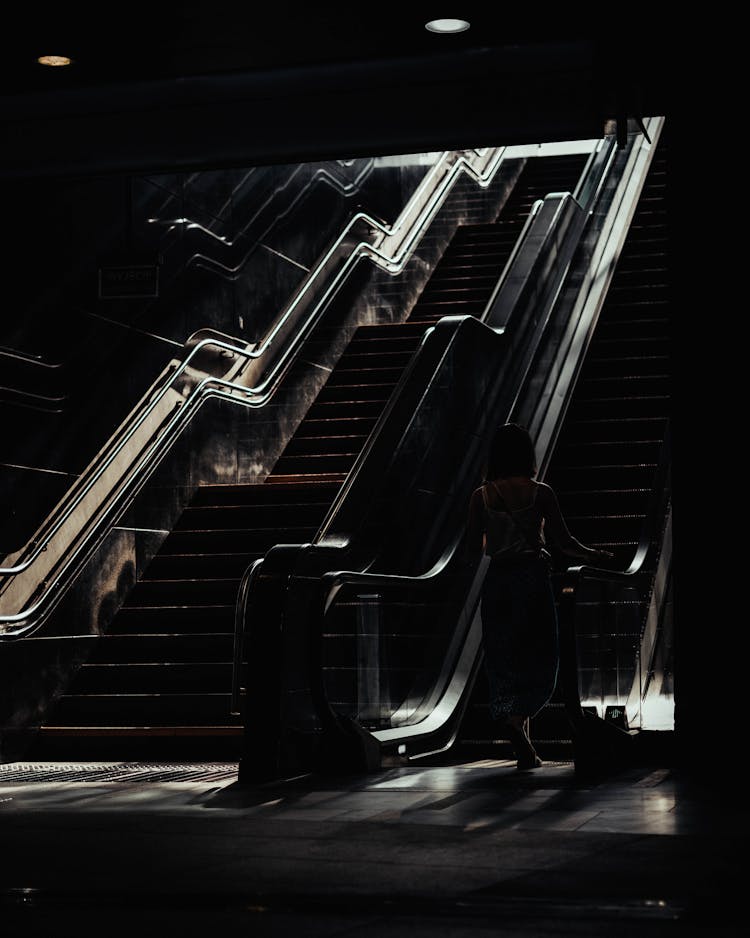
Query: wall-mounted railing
column 213, row 366
column 222, row 245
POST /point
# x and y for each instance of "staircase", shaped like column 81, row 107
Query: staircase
column 159, row 680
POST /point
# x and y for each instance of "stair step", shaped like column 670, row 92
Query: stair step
column 156, row 620
column 204, row 566
column 313, row 464
column 353, row 377
column 162, row 677
column 160, row 646
column 336, row 426
column 184, row 592
column 354, row 393
column 320, row 446
column 239, row 541
column 228, row 517
column 143, row 709
column 328, row 410
column 302, row 493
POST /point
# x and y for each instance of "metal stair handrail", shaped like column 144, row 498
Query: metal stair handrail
column 388, row 246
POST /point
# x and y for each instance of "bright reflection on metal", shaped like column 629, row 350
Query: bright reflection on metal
column 658, row 713
column 54, row 60
column 447, row 26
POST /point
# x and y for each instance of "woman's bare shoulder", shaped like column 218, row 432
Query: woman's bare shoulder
column 545, row 492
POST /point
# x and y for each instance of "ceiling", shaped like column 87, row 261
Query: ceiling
column 210, row 84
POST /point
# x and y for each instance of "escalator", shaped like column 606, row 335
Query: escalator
column 375, row 629
column 159, row 680
column 604, row 469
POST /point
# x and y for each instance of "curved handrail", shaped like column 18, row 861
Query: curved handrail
column 422, row 207
column 646, row 540
column 248, row 578
column 648, row 545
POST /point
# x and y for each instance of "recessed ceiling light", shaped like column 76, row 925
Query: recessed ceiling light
column 54, row 60
column 446, row 26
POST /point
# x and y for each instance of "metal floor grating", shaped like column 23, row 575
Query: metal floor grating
column 146, row 772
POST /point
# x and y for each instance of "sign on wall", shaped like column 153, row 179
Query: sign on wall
column 126, row 281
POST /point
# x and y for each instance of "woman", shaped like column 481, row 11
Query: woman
column 511, row 518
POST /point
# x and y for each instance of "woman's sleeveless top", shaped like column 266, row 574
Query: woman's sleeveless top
column 512, row 533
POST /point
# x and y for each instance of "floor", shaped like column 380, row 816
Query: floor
column 472, row 849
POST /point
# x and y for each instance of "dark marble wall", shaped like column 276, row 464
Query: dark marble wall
column 231, row 247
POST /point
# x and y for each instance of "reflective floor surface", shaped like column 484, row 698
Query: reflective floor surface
column 474, row 849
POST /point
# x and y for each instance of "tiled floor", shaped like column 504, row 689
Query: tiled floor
column 456, row 850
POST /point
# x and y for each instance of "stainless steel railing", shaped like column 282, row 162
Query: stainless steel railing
column 38, row 573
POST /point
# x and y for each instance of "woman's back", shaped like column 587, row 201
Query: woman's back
column 513, row 519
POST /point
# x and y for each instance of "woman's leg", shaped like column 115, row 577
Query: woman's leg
column 519, row 737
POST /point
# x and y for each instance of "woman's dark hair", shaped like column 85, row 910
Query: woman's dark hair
column 511, row 453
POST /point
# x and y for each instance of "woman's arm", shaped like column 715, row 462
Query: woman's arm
column 557, row 530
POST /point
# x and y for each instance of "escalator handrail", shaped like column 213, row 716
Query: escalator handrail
column 427, row 200
column 649, row 542
column 647, row 538
column 246, row 583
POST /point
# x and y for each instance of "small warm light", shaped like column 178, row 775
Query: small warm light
column 446, row 26
column 54, row 60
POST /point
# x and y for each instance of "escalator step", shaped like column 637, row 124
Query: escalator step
column 624, row 386
column 607, row 365
column 621, row 406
